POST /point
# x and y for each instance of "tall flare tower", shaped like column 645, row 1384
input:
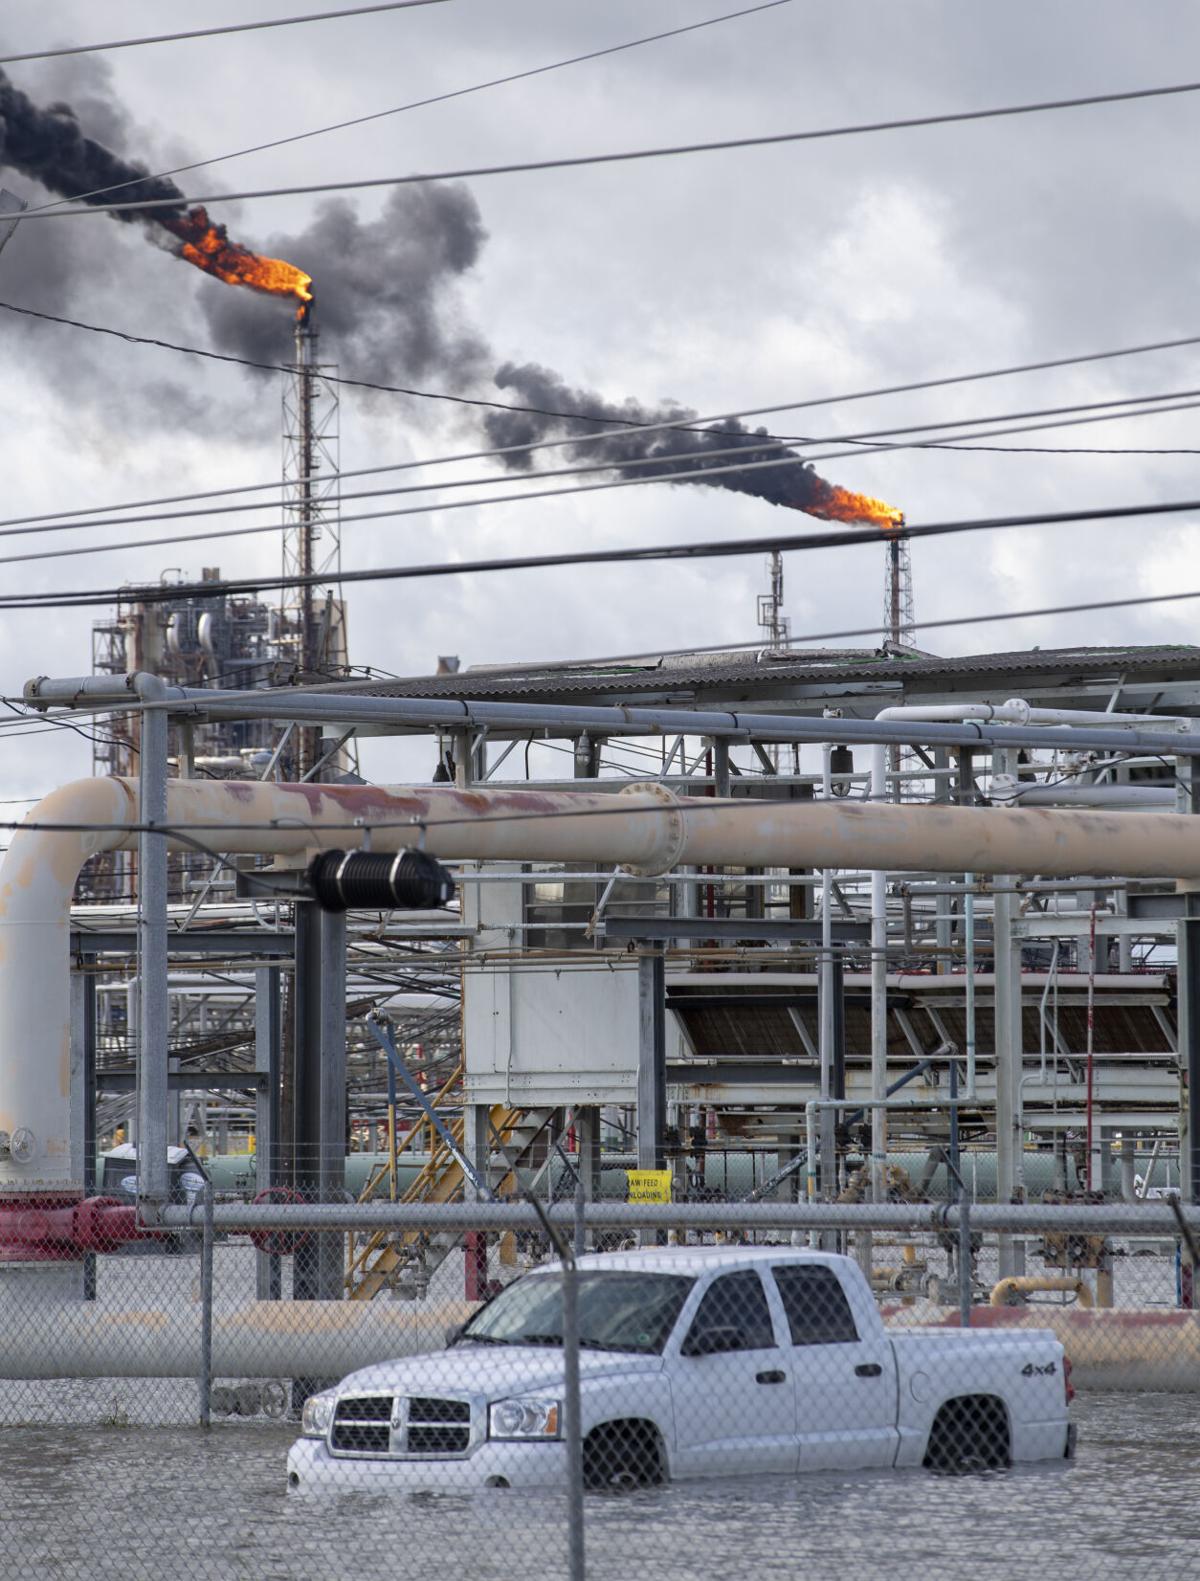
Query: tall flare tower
column 312, row 616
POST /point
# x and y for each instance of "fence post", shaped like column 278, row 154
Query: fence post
column 964, row 1258
column 572, row 1425
column 580, row 1221
column 204, row 1377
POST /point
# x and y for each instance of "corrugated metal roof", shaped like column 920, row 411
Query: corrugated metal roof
column 765, row 669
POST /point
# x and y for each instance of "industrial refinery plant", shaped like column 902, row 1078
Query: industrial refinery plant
column 569, row 958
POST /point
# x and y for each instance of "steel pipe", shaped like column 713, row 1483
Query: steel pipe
column 1145, row 1220
column 1108, row 796
column 425, row 713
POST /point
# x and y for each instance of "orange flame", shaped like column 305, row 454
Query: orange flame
column 841, row 505
column 208, row 247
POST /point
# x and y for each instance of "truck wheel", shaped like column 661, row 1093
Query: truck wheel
column 969, row 1434
column 624, row 1454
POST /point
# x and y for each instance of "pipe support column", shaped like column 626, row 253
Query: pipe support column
column 652, row 1062
column 1008, row 1054
column 268, row 1045
column 153, row 1182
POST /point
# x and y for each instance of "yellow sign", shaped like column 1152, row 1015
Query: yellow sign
column 649, row 1185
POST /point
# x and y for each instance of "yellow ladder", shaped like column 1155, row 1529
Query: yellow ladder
column 373, row 1266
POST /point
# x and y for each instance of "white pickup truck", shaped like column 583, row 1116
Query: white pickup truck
column 733, row 1361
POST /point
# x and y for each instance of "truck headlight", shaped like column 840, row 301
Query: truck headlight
column 317, row 1414
column 523, row 1419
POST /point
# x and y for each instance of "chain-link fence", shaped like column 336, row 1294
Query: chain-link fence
column 607, row 1392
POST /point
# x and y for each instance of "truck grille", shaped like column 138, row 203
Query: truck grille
column 438, row 1427
column 362, row 1425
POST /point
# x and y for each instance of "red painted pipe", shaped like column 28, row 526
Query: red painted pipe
column 57, row 1229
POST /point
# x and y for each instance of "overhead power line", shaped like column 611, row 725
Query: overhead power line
column 420, row 104
column 713, row 549
column 625, row 156
column 994, row 616
column 612, row 425
column 759, row 643
column 672, row 470
column 212, row 32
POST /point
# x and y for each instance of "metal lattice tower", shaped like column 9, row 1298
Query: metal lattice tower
column 772, row 619
column 899, row 619
column 899, row 631
column 770, row 605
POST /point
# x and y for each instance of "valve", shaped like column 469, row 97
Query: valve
column 278, row 1243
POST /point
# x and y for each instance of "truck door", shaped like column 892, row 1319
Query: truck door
column 731, row 1385
column 846, row 1406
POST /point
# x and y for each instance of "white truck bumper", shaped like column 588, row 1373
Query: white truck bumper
column 311, row 1468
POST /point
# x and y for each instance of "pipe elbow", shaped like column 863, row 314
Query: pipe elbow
column 1024, row 1284
column 55, row 839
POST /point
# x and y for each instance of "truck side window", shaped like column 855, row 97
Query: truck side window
column 816, row 1306
column 736, row 1301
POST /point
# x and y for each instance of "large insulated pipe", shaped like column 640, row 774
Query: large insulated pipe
column 644, row 827
column 1133, row 1348
column 263, row 1339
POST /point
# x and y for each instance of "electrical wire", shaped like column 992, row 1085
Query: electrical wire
column 712, row 549
column 20, row 726
column 416, row 104
column 670, row 467
column 671, row 475
column 625, row 156
column 693, row 425
column 88, row 735
column 755, row 644
column 212, row 32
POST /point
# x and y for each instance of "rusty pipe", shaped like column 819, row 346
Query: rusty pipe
column 645, row 827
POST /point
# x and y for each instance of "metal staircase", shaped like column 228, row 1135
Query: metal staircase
column 404, row 1261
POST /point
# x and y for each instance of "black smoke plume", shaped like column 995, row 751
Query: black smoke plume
column 384, row 290
column 383, row 285
column 49, row 146
column 668, row 451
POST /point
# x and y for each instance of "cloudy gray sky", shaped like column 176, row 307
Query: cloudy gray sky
column 724, row 281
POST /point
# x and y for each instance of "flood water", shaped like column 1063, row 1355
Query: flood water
column 128, row 1501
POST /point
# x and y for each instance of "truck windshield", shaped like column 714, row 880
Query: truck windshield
column 617, row 1311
